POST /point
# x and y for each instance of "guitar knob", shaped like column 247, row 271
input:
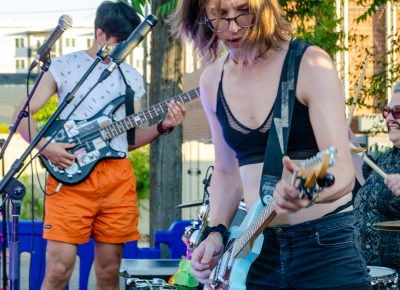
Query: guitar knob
column 327, row 181
column 79, row 172
column 72, row 169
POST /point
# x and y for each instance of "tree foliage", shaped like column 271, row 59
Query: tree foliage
column 140, row 160
column 372, row 8
column 46, row 111
column 163, row 10
column 315, row 22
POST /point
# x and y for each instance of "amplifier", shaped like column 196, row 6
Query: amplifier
column 147, row 273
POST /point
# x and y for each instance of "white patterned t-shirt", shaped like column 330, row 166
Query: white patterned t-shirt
column 67, row 70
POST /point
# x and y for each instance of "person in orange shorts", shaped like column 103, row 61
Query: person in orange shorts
column 104, row 205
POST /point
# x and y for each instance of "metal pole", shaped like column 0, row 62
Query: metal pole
column 388, row 49
column 3, row 212
column 346, row 46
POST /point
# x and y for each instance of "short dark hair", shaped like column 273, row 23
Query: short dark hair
column 116, row 19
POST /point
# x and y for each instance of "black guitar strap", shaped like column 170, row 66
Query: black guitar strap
column 282, row 118
column 129, row 107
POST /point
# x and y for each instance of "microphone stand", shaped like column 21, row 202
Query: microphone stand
column 24, row 113
column 16, row 190
column 3, row 211
column 13, row 128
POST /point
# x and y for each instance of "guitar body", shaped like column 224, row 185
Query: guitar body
column 90, row 147
column 235, row 277
column 245, row 242
column 242, row 263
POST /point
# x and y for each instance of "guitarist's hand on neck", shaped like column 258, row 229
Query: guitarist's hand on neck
column 286, row 197
column 176, row 114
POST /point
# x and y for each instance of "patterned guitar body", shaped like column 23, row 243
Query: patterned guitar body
column 91, row 146
column 93, row 136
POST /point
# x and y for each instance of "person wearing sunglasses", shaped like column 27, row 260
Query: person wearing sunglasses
column 378, row 199
column 253, row 62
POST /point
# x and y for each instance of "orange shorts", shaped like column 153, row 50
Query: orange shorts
column 103, row 206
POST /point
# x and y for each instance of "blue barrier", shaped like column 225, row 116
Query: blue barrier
column 31, row 241
column 173, row 238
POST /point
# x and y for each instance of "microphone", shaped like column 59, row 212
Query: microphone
column 64, row 22
column 125, row 47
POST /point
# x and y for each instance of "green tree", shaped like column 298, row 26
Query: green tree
column 140, row 160
column 380, row 82
column 46, row 111
column 372, row 7
column 315, row 22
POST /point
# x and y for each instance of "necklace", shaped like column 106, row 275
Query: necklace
column 237, row 62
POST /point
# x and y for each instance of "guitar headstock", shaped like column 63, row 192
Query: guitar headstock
column 312, row 171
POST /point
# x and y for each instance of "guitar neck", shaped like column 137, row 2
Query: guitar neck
column 256, row 227
column 146, row 115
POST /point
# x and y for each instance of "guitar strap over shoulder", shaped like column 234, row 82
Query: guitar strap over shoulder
column 282, row 118
column 129, row 106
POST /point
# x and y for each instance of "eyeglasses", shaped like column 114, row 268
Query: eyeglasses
column 243, row 20
column 395, row 111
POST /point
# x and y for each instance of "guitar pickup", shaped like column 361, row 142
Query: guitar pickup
column 103, row 122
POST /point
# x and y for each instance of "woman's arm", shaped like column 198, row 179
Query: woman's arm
column 321, row 90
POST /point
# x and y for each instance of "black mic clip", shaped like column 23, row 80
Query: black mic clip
column 207, row 180
column 104, row 51
column 119, row 54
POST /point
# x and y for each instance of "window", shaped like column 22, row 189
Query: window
column 89, row 42
column 70, row 42
column 20, row 64
column 19, row 43
column 139, row 63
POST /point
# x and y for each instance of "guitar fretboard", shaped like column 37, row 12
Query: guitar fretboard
column 259, row 224
column 148, row 114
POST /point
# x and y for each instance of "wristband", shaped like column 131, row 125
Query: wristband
column 219, row 229
column 163, row 131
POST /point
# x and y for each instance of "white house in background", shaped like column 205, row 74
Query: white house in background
column 21, row 40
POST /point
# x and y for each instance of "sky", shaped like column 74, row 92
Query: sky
column 48, row 9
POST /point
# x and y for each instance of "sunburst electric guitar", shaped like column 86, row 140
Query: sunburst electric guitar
column 92, row 136
column 245, row 242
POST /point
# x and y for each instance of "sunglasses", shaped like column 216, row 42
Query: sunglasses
column 395, row 111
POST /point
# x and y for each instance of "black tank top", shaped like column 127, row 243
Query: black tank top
column 250, row 144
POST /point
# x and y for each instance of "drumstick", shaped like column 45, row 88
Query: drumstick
column 359, row 150
column 358, row 89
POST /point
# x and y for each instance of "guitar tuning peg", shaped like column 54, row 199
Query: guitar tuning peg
column 327, row 181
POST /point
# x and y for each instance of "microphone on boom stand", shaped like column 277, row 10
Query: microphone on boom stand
column 125, row 48
column 64, row 22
